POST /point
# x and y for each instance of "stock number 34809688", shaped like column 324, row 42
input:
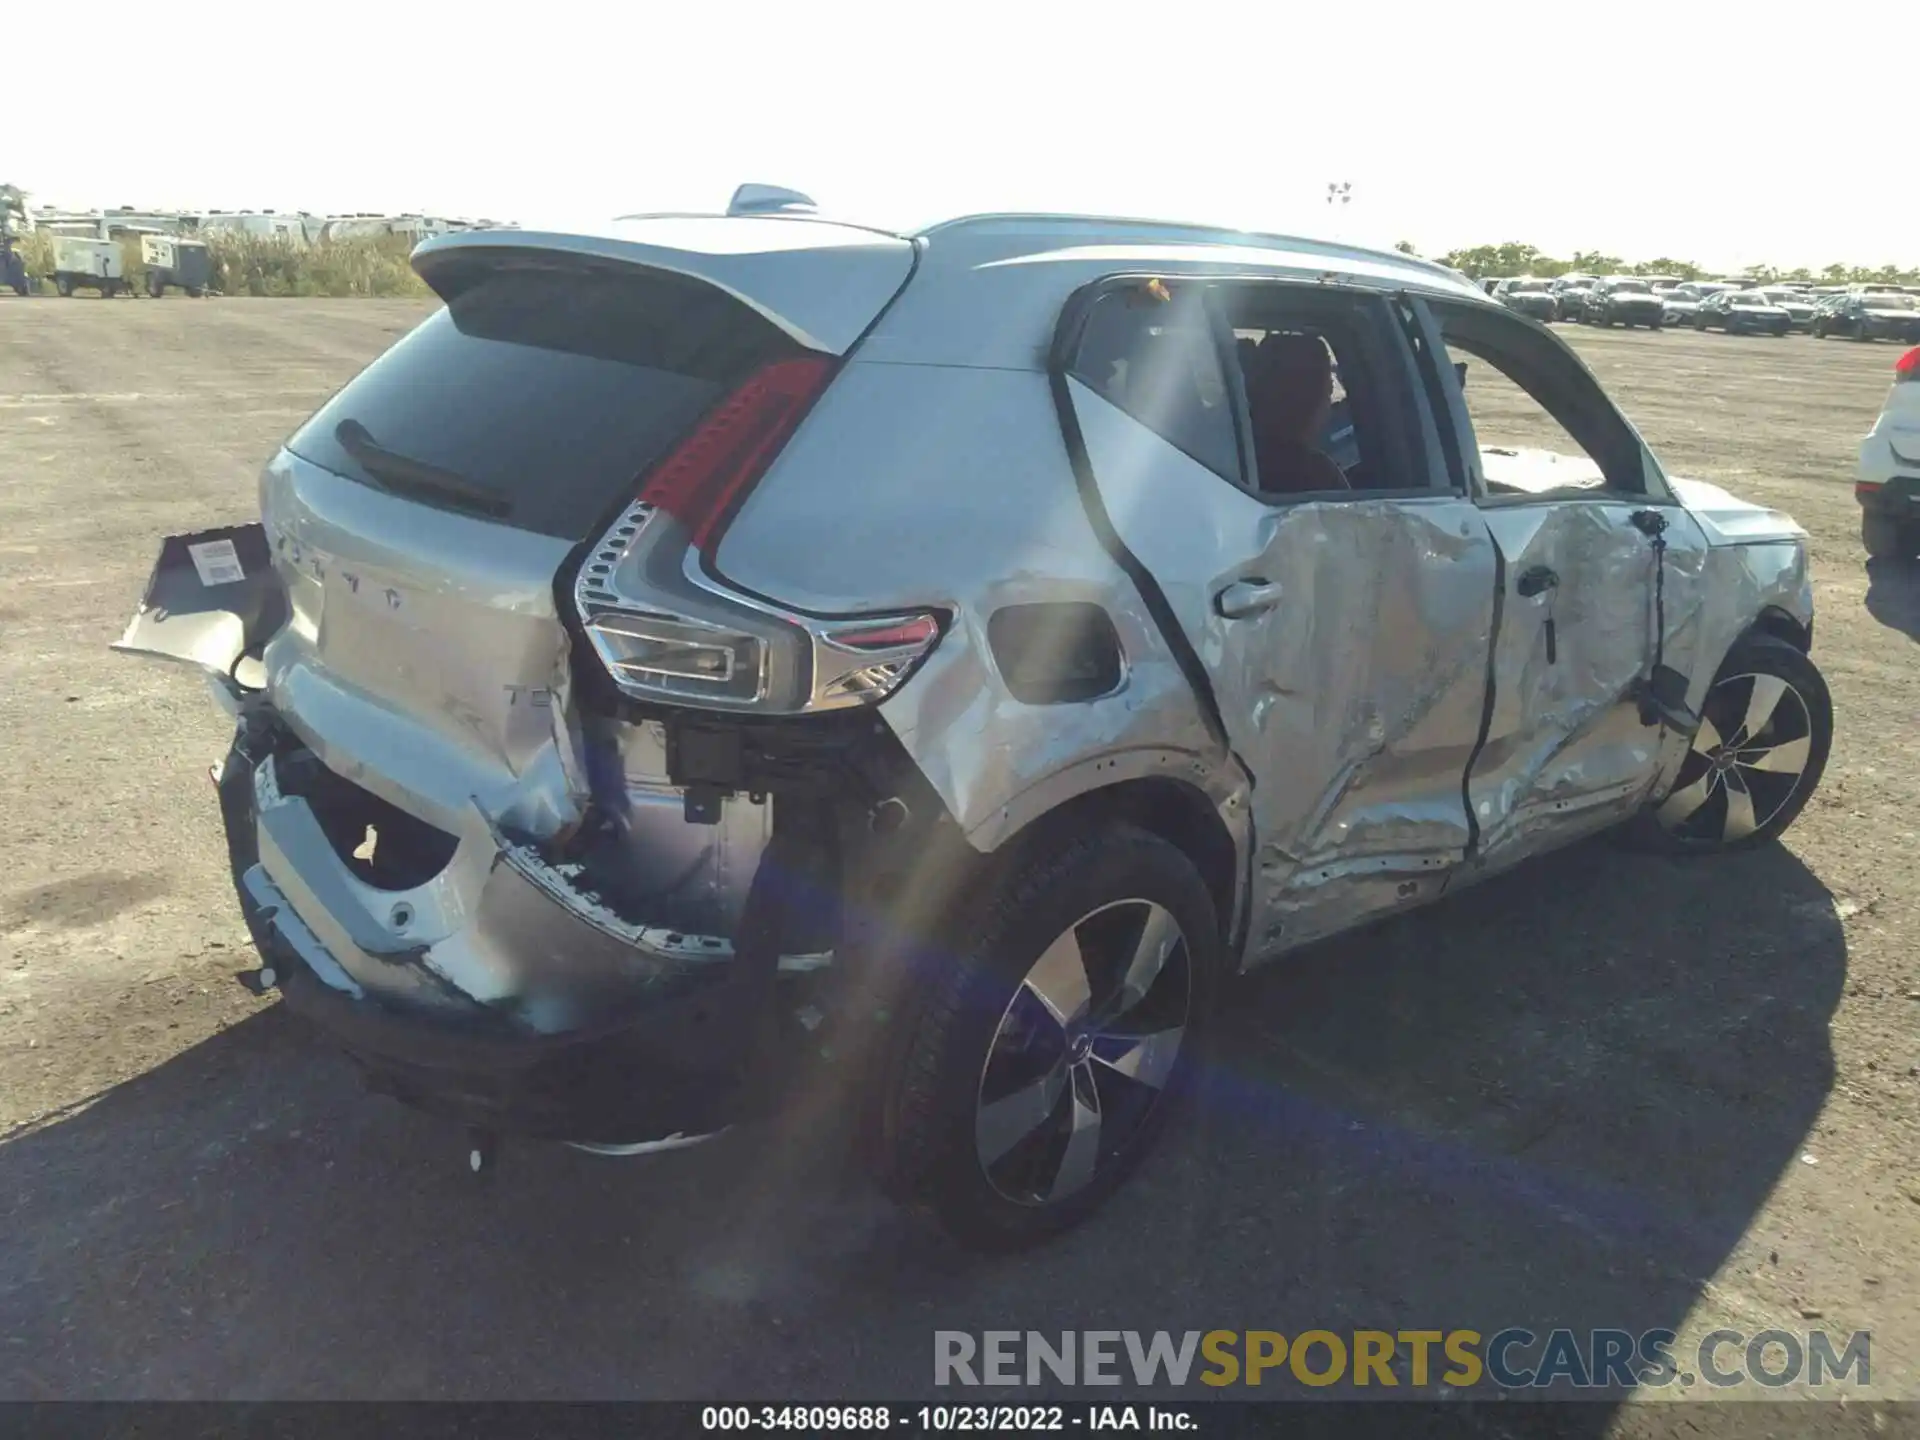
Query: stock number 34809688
column 882, row 1417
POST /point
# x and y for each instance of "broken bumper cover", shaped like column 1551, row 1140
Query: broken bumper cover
column 586, row 1035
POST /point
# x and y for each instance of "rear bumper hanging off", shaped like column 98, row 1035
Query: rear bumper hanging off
column 597, row 1031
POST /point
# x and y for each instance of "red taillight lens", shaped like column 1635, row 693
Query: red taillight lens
column 705, row 476
column 1865, row 489
column 1907, row 367
column 914, row 633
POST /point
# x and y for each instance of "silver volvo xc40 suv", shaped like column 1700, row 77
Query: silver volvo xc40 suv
column 729, row 653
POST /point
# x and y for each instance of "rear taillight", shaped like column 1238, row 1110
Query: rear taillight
column 707, row 474
column 1907, row 367
column 859, row 662
column 752, row 657
column 1866, row 489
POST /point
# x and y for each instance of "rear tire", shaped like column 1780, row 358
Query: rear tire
column 1888, row 539
column 1766, row 730
column 156, row 287
column 64, row 286
column 1007, row 1123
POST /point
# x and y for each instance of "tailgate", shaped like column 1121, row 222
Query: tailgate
column 422, row 522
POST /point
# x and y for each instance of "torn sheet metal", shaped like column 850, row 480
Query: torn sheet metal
column 499, row 926
column 1566, row 749
column 212, row 600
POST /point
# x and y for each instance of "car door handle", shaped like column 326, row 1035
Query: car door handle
column 1533, row 582
column 1244, row 598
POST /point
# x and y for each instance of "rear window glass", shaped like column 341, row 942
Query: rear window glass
column 1158, row 360
column 538, row 397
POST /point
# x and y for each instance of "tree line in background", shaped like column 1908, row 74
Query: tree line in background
column 1513, row 258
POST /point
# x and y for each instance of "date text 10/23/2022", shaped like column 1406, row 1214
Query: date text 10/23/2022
column 945, row 1418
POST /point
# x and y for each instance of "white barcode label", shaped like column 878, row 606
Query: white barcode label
column 217, row 561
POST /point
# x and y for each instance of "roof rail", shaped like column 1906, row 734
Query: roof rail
column 1213, row 234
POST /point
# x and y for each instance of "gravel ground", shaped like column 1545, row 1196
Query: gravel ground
column 1606, row 1090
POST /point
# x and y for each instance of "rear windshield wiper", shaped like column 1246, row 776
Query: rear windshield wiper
column 398, row 472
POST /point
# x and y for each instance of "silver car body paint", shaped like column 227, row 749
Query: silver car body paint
column 416, row 651
column 1352, row 698
column 821, row 283
column 427, row 661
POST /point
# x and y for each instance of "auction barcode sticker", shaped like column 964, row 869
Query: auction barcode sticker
column 217, row 561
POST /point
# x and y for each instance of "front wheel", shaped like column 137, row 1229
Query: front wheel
column 1049, row 1042
column 1765, row 729
column 64, row 286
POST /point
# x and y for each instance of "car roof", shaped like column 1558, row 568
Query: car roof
column 986, row 290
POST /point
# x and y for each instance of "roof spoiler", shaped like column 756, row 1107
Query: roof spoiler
column 821, row 283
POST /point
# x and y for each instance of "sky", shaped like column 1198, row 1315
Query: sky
column 1725, row 134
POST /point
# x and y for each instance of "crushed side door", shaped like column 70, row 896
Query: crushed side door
column 1342, row 644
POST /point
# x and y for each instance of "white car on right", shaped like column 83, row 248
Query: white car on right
column 1889, row 485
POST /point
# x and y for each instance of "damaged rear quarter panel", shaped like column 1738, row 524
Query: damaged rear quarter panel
column 966, row 501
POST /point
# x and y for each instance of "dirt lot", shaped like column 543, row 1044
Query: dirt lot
column 1605, row 1091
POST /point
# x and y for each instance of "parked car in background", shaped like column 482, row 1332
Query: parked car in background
column 1570, row 293
column 1525, row 295
column 1660, row 284
column 1678, row 304
column 1888, row 487
column 1797, row 303
column 1742, row 312
column 664, row 756
column 1621, row 300
column 1870, row 315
